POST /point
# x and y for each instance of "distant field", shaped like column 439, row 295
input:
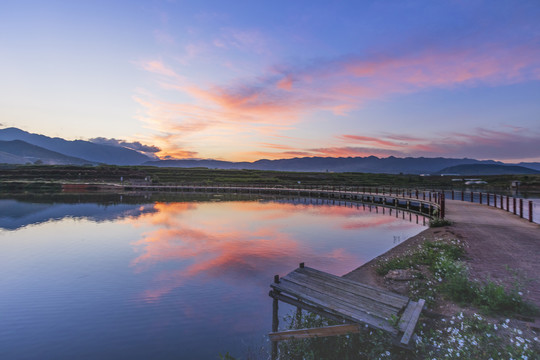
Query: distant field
column 49, row 178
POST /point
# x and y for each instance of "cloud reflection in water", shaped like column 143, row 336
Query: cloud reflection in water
column 247, row 242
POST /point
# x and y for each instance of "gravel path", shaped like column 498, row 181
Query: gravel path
column 499, row 246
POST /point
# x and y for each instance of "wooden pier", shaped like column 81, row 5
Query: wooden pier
column 354, row 304
column 430, row 204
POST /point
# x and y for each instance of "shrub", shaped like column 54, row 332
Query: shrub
column 437, row 222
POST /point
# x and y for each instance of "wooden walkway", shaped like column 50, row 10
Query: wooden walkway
column 348, row 302
column 425, row 203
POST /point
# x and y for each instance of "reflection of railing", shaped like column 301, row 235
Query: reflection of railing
column 425, row 203
column 504, row 202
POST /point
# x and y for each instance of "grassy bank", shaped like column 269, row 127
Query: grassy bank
column 485, row 326
column 16, row 177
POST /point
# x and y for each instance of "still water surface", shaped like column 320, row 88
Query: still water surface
column 186, row 279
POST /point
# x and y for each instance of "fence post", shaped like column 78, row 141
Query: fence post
column 472, row 196
column 480, row 198
column 442, row 205
column 507, row 203
column 530, row 211
column 514, row 201
column 520, row 208
column 452, row 194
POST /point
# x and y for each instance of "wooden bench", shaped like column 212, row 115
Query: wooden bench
column 346, row 301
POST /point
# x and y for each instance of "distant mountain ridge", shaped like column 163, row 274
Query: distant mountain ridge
column 390, row 165
column 18, row 151
column 488, row 169
column 20, row 147
column 90, row 152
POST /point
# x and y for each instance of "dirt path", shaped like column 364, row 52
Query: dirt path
column 498, row 245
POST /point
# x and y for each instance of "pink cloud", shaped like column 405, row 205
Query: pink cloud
column 158, row 67
column 285, row 84
column 368, row 139
column 348, row 151
column 286, row 95
column 341, row 85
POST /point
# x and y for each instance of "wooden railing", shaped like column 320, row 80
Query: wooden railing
column 504, row 202
column 425, row 203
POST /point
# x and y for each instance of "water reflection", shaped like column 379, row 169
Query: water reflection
column 15, row 214
column 149, row 277
column 243, row 240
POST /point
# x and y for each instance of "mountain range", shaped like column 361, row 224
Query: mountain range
column 21, row 147
column 87, row 151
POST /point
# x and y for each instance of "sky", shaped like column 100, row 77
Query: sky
column 245, row 80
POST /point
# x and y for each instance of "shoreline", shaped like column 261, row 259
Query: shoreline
column 498, row 246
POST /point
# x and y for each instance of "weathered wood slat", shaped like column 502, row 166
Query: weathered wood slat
column 333, row 305
column 412, row 322
column 365, row 290
column 315, row 332
column 351, row 296
column 335, row 299
column 302, row 304
column 346, row 301
column 392, row 298
column 406, row 316
column 365, row 304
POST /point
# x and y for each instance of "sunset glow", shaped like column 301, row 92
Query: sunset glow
column 246, row 239
column 243, row 81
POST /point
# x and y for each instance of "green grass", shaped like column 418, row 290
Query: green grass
column 427, row 254
column 112, row 173
column 449, row 277
column 439, row 222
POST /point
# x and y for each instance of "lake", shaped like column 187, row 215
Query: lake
column 169, row 277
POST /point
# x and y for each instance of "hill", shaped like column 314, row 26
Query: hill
column 488, row 169
column 371, row 164
column 20, row 152
column 96, row 153
column 83, row 152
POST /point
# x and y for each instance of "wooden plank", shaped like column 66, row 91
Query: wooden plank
column 354, row 298
column 322, row 299
column 366, row 289
column 412, row 322
column 305, row 306
column 406, row 316
column 315, row 332
column 381, row 296
column 333, row 305
column 395, row 299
